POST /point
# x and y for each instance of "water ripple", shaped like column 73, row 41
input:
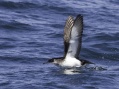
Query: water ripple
column 31, row 32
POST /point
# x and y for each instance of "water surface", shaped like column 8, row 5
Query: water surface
column 31, row 32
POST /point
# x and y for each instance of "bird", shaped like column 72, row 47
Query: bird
column 73, row 31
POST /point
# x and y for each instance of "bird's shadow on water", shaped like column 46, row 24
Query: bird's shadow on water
column 83, row 69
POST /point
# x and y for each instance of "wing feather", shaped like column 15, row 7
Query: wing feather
column 76, row 37
column 67, row 31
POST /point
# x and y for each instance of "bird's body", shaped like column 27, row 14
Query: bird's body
column 70, row 62
column 72, row 44
column 67, row 62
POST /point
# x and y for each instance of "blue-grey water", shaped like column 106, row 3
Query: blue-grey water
column 31, row 32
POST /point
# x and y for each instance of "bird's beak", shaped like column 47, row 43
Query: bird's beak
column 45, row 62
column 49, row 61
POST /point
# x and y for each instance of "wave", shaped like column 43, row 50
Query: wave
column 16, row 5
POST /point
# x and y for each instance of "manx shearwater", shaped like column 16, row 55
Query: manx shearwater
column 72, row 44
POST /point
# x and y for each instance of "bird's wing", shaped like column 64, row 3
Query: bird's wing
column 67, row 30
column 76, row 37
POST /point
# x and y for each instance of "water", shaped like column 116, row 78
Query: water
column 31, row 32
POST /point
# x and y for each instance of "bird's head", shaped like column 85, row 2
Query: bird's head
column 51, row 61
column 55, row 60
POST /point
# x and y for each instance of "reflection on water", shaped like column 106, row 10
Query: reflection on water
column 90, row 67
column 70, row 71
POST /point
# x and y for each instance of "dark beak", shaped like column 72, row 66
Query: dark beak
column 45, row 62
column 49, row 61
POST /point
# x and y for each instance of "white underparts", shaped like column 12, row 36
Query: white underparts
column 70, row 62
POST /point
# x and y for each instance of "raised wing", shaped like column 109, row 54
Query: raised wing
column 67, row 31
column 76, row 37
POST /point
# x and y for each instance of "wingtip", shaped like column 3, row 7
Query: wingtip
column 79, row 15
column 79, row 19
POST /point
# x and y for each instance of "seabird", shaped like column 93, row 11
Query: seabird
column 72, row 44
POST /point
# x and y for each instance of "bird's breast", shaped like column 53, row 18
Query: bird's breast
column 71, row 62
